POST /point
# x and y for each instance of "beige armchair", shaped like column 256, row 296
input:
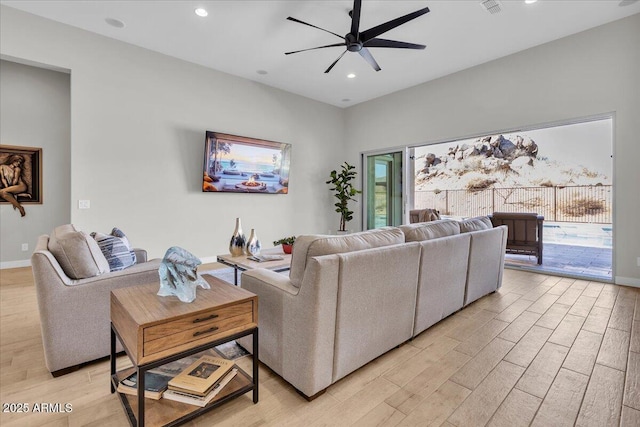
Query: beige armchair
column 74, row 313
column 423, row 215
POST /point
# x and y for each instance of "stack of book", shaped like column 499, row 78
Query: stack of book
column 201, row 381
column 193, row 380
column 265, row 258
column 154, row 385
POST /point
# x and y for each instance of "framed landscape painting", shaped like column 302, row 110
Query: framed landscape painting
column 20, row 175
column 245, row 165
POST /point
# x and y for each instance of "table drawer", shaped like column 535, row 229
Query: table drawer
column 207, row 332
column 201, row 321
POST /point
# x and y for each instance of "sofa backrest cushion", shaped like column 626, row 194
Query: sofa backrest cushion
column 317, row 245
column 77, row 253
column 430, row 230
column 475, row 224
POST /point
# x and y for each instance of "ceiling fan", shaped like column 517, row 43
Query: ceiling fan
column 357, row 41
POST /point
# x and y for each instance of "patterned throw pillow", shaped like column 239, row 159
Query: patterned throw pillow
column 116, row 249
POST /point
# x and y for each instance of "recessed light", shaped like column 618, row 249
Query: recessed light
column 201, row 12
column 530, row 1
column 351, row 76
column 262, row 72
column 114, row 22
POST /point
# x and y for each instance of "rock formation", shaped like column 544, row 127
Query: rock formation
column 495, row 161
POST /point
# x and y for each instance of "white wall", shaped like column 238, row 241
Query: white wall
column 586, row 74
column 35, row 112
column 138, row 122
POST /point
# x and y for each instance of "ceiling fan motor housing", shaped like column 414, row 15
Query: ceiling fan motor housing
column 353, row 44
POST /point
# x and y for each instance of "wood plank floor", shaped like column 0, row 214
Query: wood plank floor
column 542, row 351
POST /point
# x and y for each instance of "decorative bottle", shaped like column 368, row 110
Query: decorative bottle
column 238, row 241
column 253, row 244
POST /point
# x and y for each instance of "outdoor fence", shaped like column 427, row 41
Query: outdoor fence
column 580, row 203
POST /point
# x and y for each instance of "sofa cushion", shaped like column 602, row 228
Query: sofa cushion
column 116, row 249
column 318, row 245
column 430, row 230
column 77, row 253
column 475, row 224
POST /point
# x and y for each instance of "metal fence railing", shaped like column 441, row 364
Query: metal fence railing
column 579, row 203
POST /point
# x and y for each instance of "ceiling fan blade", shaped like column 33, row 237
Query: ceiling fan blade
column 311, row 25
column 355, row 17
column 335, row 62
column 383, row 28
column 364, row 52
column 314, row 48
column 392, row 43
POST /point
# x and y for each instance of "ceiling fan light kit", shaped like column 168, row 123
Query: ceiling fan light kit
column 360, row 42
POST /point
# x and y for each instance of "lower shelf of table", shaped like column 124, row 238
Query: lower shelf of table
column 165, row 412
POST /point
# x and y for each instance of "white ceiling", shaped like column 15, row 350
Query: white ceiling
column 241, row 37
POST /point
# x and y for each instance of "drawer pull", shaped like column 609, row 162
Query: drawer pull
column 213, row 329
column 213, row 316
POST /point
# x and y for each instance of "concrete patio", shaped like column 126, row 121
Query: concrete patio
column 592, row 263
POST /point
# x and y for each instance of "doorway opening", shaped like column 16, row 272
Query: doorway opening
column 563, row 172
column 383, row 190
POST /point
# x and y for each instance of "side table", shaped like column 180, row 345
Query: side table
column 243, row 263
column 157, row 330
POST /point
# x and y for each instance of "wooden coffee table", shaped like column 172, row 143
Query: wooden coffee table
column 156, row 330
column 243, row 263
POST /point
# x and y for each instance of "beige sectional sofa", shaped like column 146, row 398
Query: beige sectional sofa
column 349, row 299
column 74, row 312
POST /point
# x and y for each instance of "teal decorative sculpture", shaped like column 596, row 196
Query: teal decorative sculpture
column 179, row 276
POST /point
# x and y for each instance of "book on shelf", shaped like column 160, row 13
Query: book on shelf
column 154, row 385
column 201, row 401
column 265, row 258
column 201, row 376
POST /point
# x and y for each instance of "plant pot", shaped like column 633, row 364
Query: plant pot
column 287, row 248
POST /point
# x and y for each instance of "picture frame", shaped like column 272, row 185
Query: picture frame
column 240, row 164
column 25, row 175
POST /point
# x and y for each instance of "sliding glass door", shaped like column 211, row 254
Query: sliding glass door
column 384, row 201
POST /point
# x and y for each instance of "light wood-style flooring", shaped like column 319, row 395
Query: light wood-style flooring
column 543, row 351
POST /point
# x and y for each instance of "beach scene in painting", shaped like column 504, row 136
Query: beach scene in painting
column 244, row 165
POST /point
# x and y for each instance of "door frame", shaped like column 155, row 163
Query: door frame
column 407, row 187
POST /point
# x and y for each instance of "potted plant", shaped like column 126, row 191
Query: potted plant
column 344, row 191
column 286, row 242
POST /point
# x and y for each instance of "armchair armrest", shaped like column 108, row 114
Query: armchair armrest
column 141, row 255
column 75, row 313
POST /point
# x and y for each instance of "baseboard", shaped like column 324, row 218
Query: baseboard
column 627, row 281
column 15, row 264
